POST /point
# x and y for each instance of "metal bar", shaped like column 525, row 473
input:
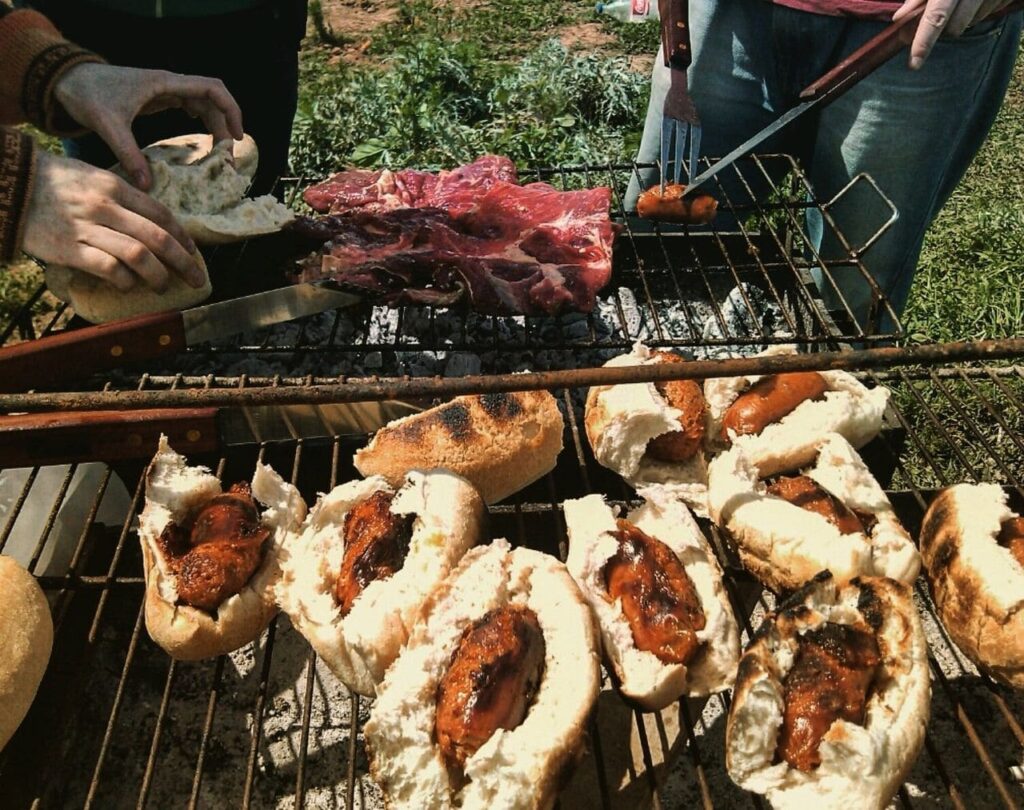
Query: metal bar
column 376, row 389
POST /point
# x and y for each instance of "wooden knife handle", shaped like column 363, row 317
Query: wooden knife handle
column 67, row 437
column 866, row 59
column 53, row 361
column 675, row 33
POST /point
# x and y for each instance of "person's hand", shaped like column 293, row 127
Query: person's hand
column 92, row 220
column 952, row 17
column 106, row 99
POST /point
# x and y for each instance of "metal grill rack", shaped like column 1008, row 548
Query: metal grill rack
column 117, row 723
column 748, row 280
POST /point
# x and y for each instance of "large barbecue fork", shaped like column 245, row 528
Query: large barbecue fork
column 679, row 120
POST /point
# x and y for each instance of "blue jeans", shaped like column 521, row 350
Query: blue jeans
column 914, row 132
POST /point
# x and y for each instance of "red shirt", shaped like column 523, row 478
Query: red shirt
column 871, row 9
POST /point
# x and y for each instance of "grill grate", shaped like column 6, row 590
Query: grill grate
column 117, row 723
column 745, row 281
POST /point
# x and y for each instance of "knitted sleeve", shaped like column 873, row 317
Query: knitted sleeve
column 33, row 56
column 16, row 175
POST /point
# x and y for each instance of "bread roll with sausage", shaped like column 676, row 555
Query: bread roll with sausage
column 26, row 639
column 358, row 573
column 973, row 549
column 500, row 443
column 839, row 403
column 486, row 706
column 673, row 652
column 651, row 433
column 832, row 698
column 210, row 558
column 846, row 524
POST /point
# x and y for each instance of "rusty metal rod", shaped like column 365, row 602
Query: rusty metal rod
column 371, row 390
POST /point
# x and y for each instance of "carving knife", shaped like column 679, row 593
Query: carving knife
column 54, row 360
column 69, row 437
column 861, row 63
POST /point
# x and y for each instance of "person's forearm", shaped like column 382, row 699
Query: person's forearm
column 33, row 57
column 17, row 166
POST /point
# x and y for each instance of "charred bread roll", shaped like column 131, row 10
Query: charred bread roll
column 486, row 706
column 26, row 639
column 357, row 575
column 832, row 698
column 211, row 557
column 500, row 443
column 651, row 432
column 656, row 591
column 669, row 205
column 973, row 549
column 778, row 418
column 832, row 515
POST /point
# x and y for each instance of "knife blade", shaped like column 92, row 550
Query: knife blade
column 70, row 437
column 56, row 359
column 861, row 63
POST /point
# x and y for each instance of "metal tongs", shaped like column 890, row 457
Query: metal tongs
column 679, row 120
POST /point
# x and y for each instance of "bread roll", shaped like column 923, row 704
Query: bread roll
column 500, row 443
column 175, row 490
column 784, row 545
column 976, row 582
column 848, row 408
column 621, row 421
column 100, row 302
column 360, row 646
column 26, row 638
column 518, row 768
column 644, row 677
column 862, row 764
column 184, row 150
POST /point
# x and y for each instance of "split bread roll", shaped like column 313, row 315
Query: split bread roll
column 976, row 580
column 636, row 431
column 99, row 302
column 784, row 544
column 438, row 516
column 803, row 671
column 645, row 676
column 845, row 407
column 203, row 185
column 521, row 765
column 26, row 639
column 176, row 493
column 500, row 443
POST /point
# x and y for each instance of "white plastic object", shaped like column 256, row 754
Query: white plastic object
column 629, row 10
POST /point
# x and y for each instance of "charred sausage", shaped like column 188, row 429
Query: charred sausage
column 687, row 396
column 769, row 399
column 491, row 681
column 1011, row 535
column 808, row 494
column 830, row 679
column 658, row 597
column 215, row 551
column 376, row 545
column 671, row 207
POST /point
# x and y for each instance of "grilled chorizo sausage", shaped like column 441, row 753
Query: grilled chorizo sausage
column 671, row 207
column 808, row 494
column 491, row 681
column 658, row 597
column 769, row 399
column 1011, row 535
column 687, row 396
column 830, row 679
column 376, row 545
column 215, row 551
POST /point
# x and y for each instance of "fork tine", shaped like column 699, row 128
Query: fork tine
column 694, row 163
column 682, row 128
column 667, row 129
